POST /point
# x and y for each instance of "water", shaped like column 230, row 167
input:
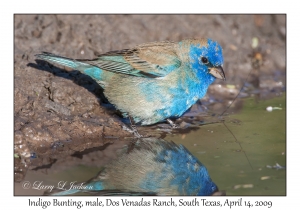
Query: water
column 261, row 134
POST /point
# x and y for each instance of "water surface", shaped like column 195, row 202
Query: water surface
column 261, row 134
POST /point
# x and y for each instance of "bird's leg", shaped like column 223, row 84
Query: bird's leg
column 133, row 127
column 174, row 125
column 132, row 130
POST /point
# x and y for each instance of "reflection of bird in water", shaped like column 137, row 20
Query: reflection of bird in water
column 150, row 167
column 154, row 81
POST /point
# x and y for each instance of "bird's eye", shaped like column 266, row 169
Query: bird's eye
column 204, row 60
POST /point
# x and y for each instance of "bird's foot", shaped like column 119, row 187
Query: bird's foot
column 136, row 134
column 174, row 125
column 133, row 127
column 132, row 130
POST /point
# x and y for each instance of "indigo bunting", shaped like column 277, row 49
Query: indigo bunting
column 155, row 81
column 150, row 167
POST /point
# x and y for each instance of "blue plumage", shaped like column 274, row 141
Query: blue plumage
column 151, row 167
column 155, row 81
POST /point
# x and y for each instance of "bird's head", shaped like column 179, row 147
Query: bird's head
column 206, row 57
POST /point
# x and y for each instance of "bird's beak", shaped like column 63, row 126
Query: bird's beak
column 217, row 72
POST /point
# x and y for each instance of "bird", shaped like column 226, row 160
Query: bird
column 152, row 82
column 150, row 166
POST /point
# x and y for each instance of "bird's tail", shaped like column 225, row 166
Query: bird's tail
column 63, row 61
column 68, row 63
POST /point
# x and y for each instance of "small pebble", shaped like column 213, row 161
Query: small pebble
column 248, row 186
column 264, row 177
column 255, row 42
column 270, row 109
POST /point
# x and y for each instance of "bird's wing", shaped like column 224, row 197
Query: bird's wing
column 148, row 60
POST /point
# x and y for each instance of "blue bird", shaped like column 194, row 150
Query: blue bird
column 155, row 81
column 149, row 167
